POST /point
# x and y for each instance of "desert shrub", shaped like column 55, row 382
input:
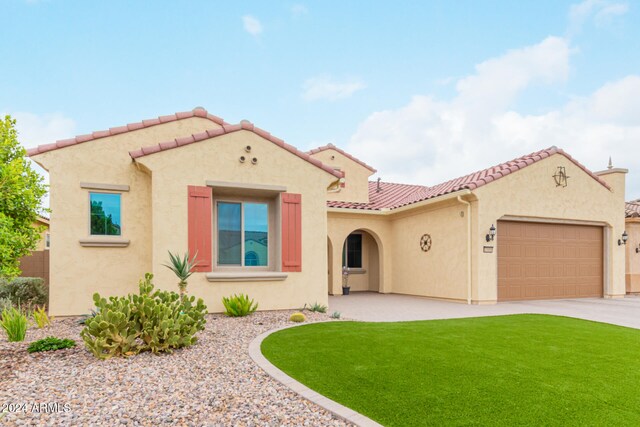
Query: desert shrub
column 156, row 321
column 40, row 317
column 239, row 305
column 24, row 291
column 335, row 315
column 14, row 323
column 50, row 344
column 5, row 304
column 297, row 317
column 316, row 308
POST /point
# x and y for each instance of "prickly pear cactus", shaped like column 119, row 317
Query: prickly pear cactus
column 152, row 321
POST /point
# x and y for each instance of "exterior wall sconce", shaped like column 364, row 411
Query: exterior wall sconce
column 492, row 233
column 638, row 248
column 623, row 240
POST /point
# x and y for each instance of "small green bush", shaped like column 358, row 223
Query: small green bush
column 50, row 344
column 24, row 291
column 14, row 323
column 40, row 317
column 239, row 305
column 316, row 308
column 335, row 315
column 156, row 321
column 297, row 317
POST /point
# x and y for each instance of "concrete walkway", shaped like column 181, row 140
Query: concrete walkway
column 374, row 307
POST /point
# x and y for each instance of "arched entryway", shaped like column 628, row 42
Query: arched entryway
column 361, row 254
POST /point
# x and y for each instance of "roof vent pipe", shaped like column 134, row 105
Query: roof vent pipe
column 378, row 189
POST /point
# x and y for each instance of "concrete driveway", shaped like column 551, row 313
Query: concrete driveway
column 374, row 307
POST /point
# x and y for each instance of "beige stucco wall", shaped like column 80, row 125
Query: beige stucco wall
column 532, row 193
column 76, row 272
column 356, row 187
column 633, row 258
column 442, row 271
column 217, row 160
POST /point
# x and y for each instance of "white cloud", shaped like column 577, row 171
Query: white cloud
column 603, row 13
column 429, row 141
column 325, row 88
column 252, row 25
column 298, row 10
column 34, row 129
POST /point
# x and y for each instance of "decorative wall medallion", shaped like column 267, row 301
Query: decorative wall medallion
column 425, row 242
column 561, row 177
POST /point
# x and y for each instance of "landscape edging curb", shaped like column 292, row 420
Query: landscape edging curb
column 332, row 406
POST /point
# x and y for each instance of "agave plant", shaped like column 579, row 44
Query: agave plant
column 182, row 266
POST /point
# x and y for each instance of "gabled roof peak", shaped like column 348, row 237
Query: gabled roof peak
column 196, row 112
column 330, row 146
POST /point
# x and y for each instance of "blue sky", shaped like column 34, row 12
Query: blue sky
column 423, row 91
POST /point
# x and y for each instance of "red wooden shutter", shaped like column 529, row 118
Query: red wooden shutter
column 291, row 232
column 200, row 223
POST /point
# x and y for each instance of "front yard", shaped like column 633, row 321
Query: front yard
column 505, row 370
column 214, row 382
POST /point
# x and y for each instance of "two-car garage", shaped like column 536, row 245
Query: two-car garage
column 548, row 260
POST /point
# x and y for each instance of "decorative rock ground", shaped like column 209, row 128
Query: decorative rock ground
column 212, row 383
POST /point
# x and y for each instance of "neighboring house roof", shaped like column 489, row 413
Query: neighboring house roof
column 178, row 142
column 344, row 153
column 227, row 128
column 196, row 112
column 403, row 195
column 632, row 209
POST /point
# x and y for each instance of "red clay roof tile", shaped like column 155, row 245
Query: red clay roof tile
column 632, row 209
column 198, row 112
column 398, row 195
column 344, row 153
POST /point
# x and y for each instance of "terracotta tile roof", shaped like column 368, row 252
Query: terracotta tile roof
column 415, row 194
column 632, row 209
column 344, row 153
column 196, row 112
column 227, row 128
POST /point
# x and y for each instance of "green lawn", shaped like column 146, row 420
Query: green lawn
column 504, row 370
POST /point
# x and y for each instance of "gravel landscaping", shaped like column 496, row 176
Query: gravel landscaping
column 214, row 382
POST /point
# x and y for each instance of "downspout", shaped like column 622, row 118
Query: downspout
column 469, row 247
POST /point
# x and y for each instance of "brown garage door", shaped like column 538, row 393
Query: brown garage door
column 543, row 261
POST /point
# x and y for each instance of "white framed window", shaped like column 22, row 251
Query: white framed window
column 105, row 214
column 242, row 234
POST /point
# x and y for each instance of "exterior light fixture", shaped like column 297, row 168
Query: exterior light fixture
column 492, row 233
column 638, row 248
column 623, row 240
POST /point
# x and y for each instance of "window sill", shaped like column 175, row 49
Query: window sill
column 357, row 271
column 241, row 276
column 104, row 242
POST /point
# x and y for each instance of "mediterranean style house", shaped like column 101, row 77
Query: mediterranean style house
column 279, row 224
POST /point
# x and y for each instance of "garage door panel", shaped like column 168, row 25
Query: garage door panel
column 540, row 261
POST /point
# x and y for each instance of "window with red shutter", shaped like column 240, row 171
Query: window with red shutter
column 291, row 232
column 200, row 226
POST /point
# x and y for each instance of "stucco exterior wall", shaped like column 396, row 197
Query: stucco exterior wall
column 440, row 272
column 633, row 258
column 356, row 187
column 532, row 193
column 217, row 160
column 77, row 272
